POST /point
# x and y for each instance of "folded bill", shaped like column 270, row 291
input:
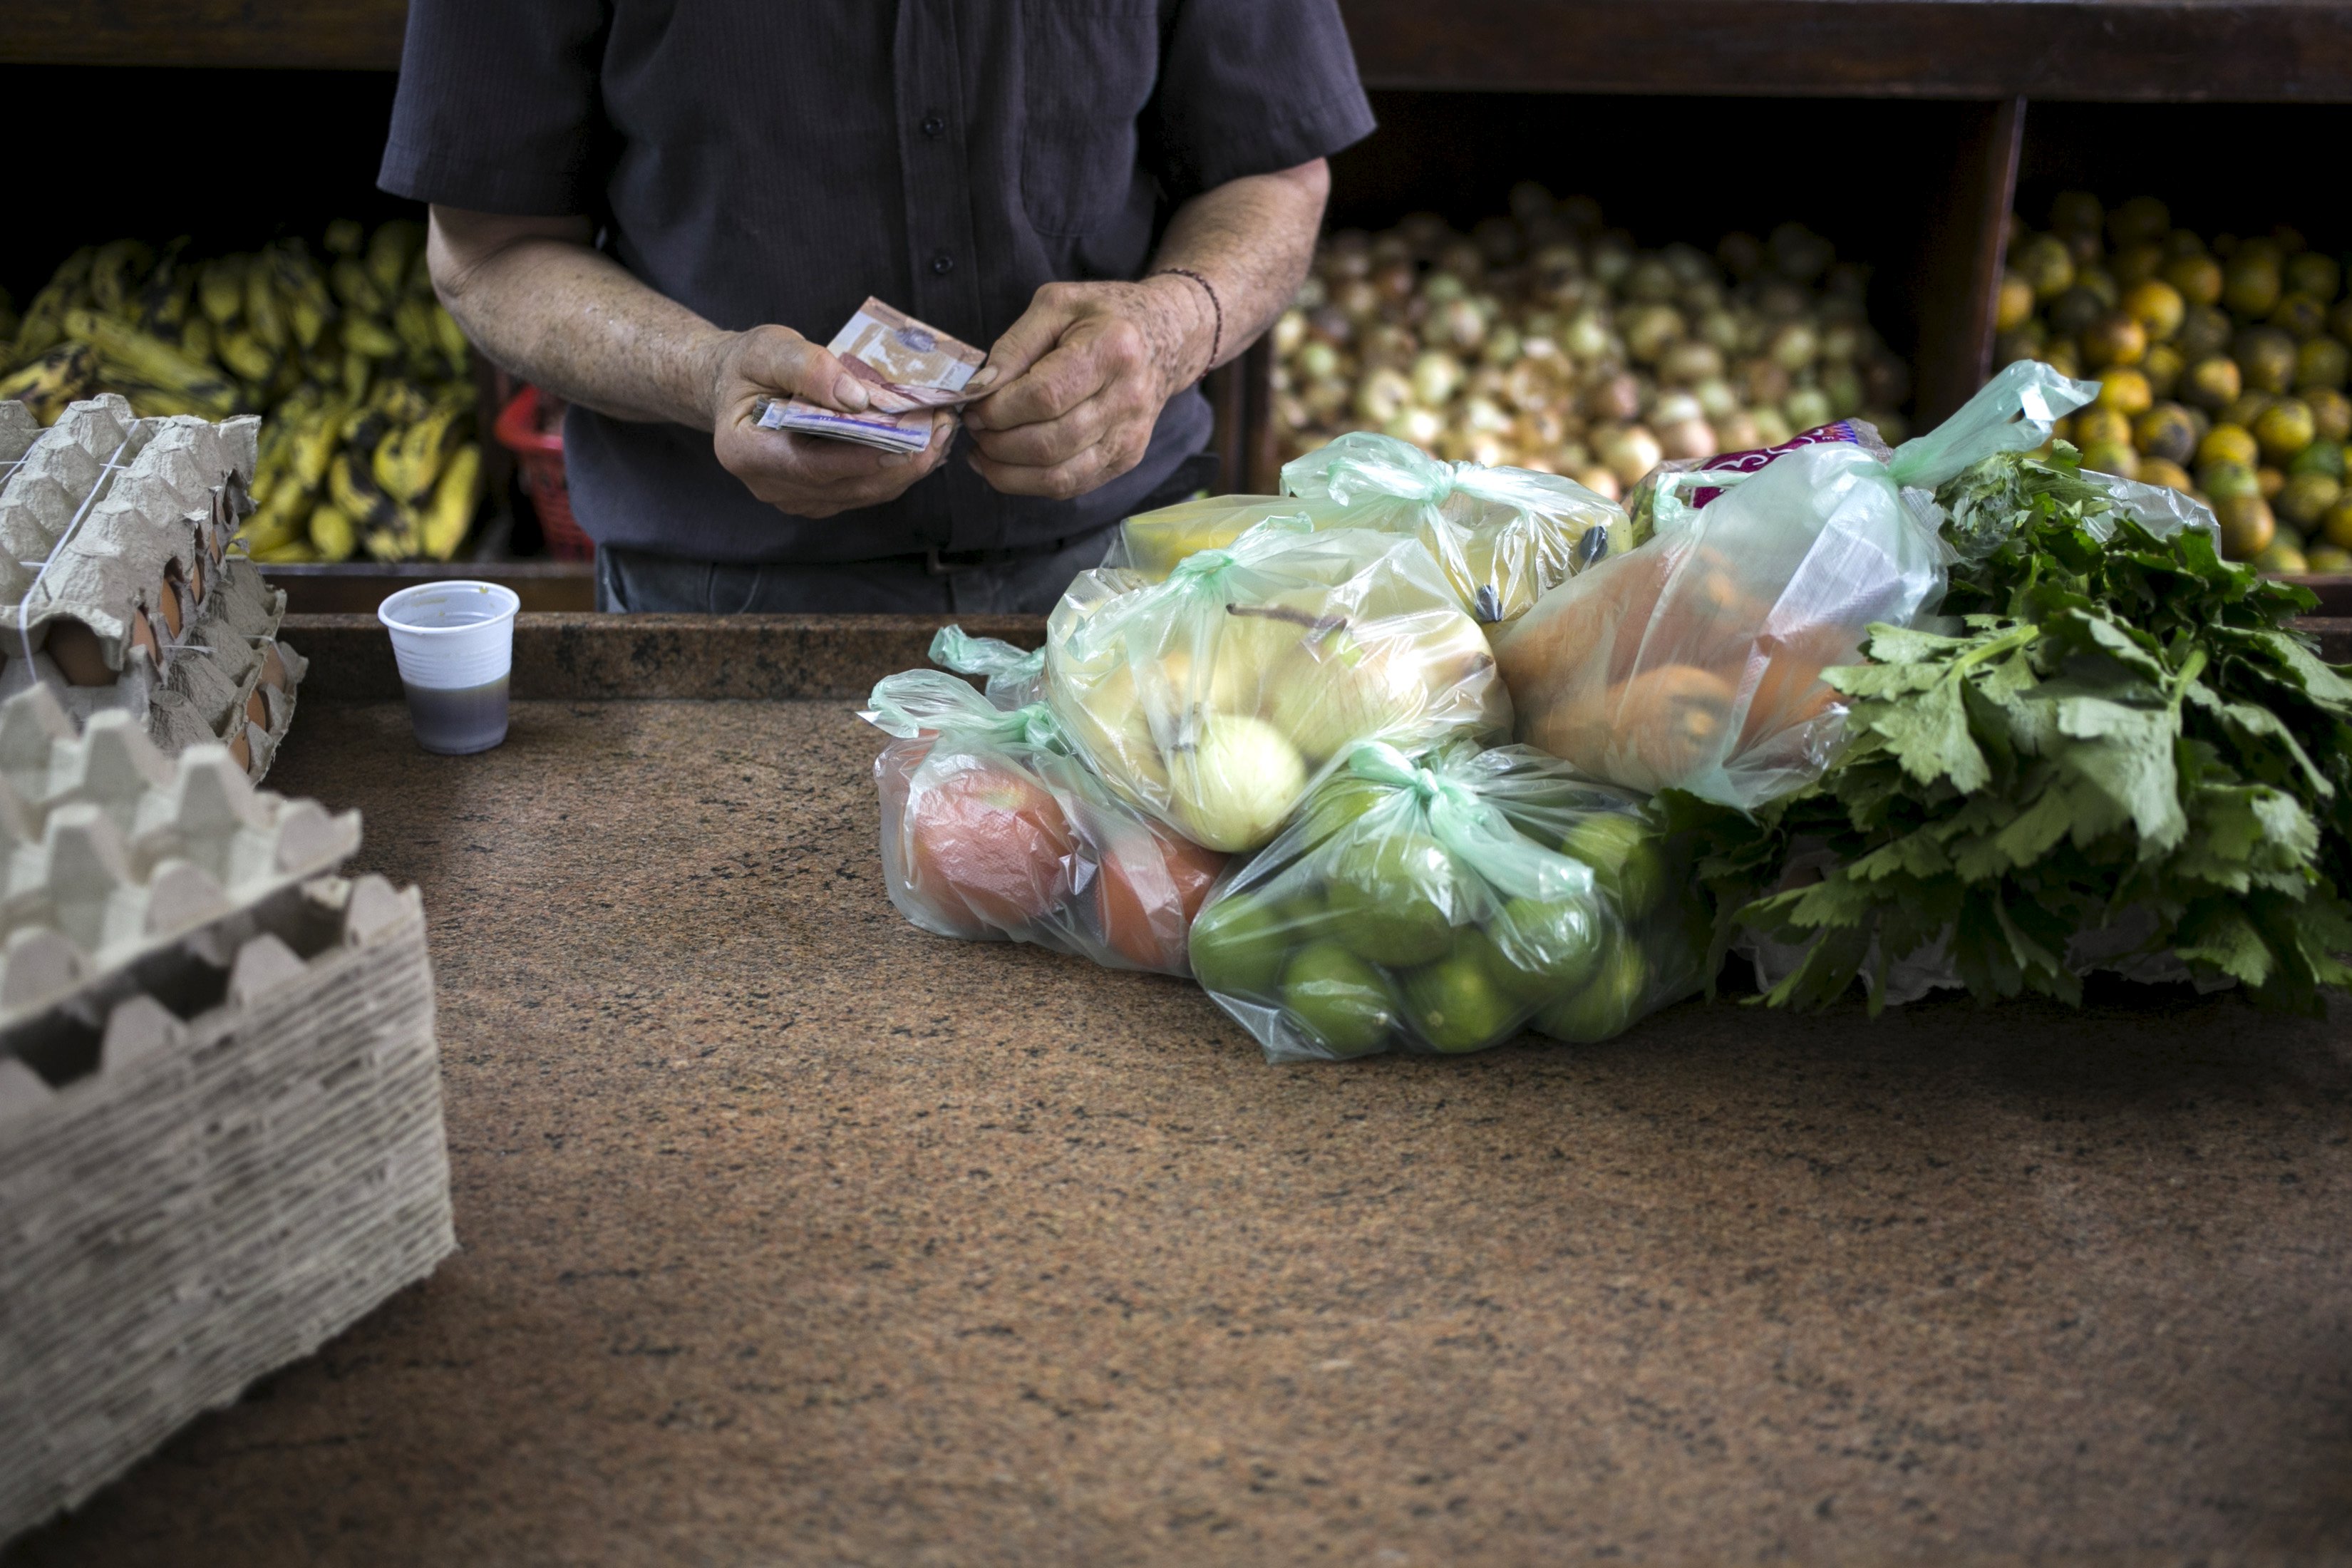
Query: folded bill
column 909, row 369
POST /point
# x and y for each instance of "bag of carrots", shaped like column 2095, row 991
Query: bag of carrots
column 1501, row 535
column 1448, row 901
column 1695, row 660
column 992, row 829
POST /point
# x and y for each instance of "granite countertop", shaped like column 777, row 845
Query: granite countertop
column 792, row 1235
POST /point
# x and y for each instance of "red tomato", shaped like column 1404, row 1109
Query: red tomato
column 1141, row 875
column 991, row 837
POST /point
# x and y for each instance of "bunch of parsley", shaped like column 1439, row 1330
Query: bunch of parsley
column 2124, row 732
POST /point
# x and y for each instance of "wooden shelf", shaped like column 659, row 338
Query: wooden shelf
column 357, row 587
column 298, row 35
column 2157, row 50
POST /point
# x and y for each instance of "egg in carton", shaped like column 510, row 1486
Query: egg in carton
column 115, row 851
column 209, row 1176
column 143, row 609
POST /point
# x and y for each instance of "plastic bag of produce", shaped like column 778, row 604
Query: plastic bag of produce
column 1504, row 536
column 1447, row 904
column 1015, row 677
column 1695, row 660
column 1210, row 700
column 993, row 829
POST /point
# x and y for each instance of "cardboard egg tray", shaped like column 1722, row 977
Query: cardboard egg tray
column 208, row 1175
column 118, row 586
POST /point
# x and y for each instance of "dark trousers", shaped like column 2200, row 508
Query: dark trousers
column 993, row 581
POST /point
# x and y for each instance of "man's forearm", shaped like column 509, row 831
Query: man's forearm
column 1252, row 239
column 541, row 303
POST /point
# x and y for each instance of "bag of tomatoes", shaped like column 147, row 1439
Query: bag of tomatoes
column 1695, row 660
column 1446, row 902
column 1209, row 701
column 993, row 830
column 1502, row 536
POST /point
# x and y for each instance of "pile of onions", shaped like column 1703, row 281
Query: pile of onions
column 1545, row 341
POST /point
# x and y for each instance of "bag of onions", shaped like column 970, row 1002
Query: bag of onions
column 1445, row 902
column 1695, row 660
column 992, row 829
column 1504, row 536
column 1210, row 700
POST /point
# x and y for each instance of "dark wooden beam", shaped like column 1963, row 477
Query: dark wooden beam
column 299, row 35
column 2171, row 50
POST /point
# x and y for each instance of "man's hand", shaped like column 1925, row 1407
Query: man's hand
column 1082, row 377
column 807, row 476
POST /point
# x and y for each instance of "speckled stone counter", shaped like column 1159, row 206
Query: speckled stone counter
column 793, row 1236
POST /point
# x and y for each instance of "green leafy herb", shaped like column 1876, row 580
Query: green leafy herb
column 2122, row 729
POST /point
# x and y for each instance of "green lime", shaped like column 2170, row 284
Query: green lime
column 1238, row 946
column 1456, row 1003
column 1607, row 1004
column 1547, row 948
column 1336, row 804
column 2322, row 456
column 1339, row 998
column 1624, row 859
column 1389, row 896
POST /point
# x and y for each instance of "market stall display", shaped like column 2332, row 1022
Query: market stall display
column 2221, row 365
column 220, row 1116
column 364, row 381
column 1545, row 341
column 1443, row 902
column 119, row 589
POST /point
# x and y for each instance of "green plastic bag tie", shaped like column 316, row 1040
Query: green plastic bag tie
column 1364, row 463
column 957, row 649
column 1472, row 831
column 914, row 701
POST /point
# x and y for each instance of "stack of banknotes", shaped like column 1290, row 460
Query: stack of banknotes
column 909, row 368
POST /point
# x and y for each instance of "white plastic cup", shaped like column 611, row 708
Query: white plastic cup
column 454, row 642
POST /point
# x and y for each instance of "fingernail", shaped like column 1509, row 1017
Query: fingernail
column 850, row 392
column 986, row 376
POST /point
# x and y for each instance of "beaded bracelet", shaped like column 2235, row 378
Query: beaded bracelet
column 1217, row 332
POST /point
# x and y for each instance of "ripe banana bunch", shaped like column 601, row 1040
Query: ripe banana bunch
column 363, row 380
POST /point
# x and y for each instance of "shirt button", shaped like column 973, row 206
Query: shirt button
column 942, row 264
column 933, row 125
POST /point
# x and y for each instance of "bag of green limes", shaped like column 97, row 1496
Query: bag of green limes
column 1446, row 902
column 1503, row 536
column 1212, row 700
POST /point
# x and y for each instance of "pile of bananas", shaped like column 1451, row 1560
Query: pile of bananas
column 1544, row 339
column 2221, row 367
column 364, row 382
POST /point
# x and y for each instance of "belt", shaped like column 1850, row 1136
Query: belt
column 948, row 562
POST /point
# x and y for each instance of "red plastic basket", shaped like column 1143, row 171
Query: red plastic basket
column 539, row 454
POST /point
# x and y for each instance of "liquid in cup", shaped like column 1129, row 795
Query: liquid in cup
column 455, row 642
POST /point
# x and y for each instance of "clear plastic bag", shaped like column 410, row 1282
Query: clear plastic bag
column 1015, row 677
column 992, row 829
column 1210, row 699
column 1447, row 904
column 1503, row 536
column 1695, row 660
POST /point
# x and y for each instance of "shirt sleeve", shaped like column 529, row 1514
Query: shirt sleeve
column 498, row 107
column 1248, row 87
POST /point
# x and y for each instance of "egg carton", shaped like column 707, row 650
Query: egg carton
column 209, row 1178
column 19, row 428
column 119, row 590
column 114, row 852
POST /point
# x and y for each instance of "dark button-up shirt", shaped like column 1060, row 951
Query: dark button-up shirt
column 777, row 161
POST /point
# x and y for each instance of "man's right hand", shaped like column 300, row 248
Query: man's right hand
column 806, row 476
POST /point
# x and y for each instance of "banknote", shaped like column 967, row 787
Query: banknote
column 909, row 368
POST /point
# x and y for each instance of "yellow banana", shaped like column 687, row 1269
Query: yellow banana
column 344, row 237
column 263, row 318
column 302, row 288
column 313, row 445
column 452, row 339
column 294, row 553
column 220, row 288
column 366, row 335
column 163, row 302
column 351, row 487
column 355, row 288
column 115, row 273
column 127, row 351
column 45, row 316
column 332, row 533
column 196, row 338
column 407, row 464
column 356, row 370
column 57, row 377
column 411, row 323
column 243, row 353
column 452, row 508
column 390, row 249
column 401, row 401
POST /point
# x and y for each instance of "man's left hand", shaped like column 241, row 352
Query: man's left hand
column 1082, row 377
